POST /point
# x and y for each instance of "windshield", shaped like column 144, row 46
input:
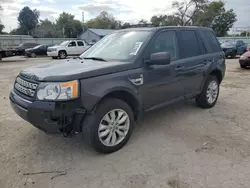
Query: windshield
column 64, row 43
column 229, row 43
column 122, row 46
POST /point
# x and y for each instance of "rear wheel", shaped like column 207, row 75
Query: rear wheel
column 110, row 127
column 210, row 93
column 233, row 55
column 62, row 54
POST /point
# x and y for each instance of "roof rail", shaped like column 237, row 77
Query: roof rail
column 140, row 25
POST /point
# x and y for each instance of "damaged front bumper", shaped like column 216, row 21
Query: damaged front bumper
column 50, row 117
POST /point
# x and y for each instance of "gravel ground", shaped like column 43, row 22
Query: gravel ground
column 181, row 146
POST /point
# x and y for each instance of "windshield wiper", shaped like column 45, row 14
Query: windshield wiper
column 95, row 58
column 77, row 57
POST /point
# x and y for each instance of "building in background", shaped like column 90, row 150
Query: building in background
column 93, row 35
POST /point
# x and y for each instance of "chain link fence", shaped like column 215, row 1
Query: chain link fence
column 8, row 41
column 13, row 41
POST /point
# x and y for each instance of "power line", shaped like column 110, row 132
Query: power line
column 236, row 30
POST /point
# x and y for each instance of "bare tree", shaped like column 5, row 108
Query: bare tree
column 187, row 10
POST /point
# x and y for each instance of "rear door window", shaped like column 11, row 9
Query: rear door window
column 241, row 43
column 189, row 44
column 80, row 43
column 211, row 41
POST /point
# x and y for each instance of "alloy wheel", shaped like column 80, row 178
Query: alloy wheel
column 212, row 92
column 114, row 127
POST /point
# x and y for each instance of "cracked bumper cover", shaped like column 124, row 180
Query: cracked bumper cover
column 50, row 117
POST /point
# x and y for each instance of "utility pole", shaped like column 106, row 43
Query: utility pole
column 83, row 17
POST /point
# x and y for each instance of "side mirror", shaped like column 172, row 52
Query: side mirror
column 160, row 58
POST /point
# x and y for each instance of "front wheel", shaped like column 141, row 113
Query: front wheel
column 33, row 55
column 110, row 127
column 62, row 54
column 210, row 93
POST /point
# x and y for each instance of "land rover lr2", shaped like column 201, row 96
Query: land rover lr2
column 128, row 73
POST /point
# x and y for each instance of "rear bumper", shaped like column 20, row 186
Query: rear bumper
column 50, row 117
column 229, row 52
column 244, row 62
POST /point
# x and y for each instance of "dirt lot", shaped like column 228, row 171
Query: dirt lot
column 179, row 147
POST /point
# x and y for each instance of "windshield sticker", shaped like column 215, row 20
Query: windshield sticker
column 136, row 48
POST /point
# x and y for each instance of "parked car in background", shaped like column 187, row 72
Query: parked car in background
column 233, row 48
column 5, row 53
column 20, row 50
column 36, row 51
column 67, row 48
column 245, row 60
column 91, row 43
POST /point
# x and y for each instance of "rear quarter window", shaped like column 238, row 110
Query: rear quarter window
column 211, row 41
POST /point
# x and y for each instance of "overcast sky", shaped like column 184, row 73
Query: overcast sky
column 125, row 10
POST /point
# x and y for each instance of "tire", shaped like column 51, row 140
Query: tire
column 233, row 55
column 243, row 66
column 54, row 57
column 62, row 54
column 203, row 100
column 92, row 130
column 33, row 55
column 0, row 57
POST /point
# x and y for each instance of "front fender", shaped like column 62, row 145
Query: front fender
column 94, row 89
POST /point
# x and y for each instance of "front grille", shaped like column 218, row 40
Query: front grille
column 50, row 50
column 25, row 88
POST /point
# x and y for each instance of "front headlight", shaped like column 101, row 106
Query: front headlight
column 58, row 91
column 52, row 49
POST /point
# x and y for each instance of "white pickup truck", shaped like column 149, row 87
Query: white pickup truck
column 67, row 48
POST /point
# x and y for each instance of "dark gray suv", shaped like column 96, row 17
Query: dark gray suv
column 114, row 83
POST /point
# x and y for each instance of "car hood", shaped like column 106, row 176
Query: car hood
column 247, row 54
column 72, row 69
column 20, row 48
column 56, row 46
